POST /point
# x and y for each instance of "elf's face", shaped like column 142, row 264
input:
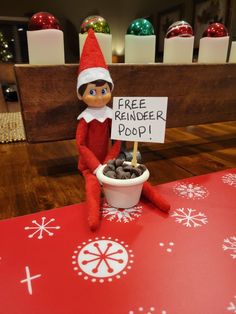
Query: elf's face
column 96, row 96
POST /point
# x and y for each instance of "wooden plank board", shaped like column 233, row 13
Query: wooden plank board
column 7, row 75
column 197, row 93
column 3, row 104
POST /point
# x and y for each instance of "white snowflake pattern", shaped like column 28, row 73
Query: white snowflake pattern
column 232, row 306
column 121, row 215
column 230, row 179
column 102, row 259
column 189, row 217
column 41, row 228
column 190, row 190
column 230, row 245
column 142, row 310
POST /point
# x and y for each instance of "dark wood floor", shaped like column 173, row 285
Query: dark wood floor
column 43, row 176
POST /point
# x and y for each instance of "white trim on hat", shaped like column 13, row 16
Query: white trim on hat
column 93, row 74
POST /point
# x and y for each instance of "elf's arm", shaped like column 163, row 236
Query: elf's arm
column 114, row 151
column 88, row 156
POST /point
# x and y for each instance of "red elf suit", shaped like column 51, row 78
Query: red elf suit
column 93, row 132
column 92, row 138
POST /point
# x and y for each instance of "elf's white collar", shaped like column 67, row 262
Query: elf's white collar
column 100, row 114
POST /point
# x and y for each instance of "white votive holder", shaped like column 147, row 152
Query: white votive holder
column 213, row 49
column 140, row 49
column 46, row 46
column 232, row 56
column 178, row 50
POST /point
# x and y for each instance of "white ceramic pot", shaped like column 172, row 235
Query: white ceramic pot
column 122, row 193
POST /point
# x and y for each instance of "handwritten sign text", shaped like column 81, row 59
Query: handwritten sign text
column 141, row 119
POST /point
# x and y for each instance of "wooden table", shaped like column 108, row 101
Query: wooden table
column 44, row 175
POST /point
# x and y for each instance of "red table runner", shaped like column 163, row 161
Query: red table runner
column 140, row 261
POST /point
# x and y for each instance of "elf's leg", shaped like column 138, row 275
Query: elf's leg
column 93, row 199
column 154, row 197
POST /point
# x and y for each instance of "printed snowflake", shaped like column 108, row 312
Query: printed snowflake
column 232, row 306
column 142, row 310
column 230, row 244
column 230, row 179
column 121, row 215
column 190, row 190
column 189, row 218
column 43, row 227
column 102, row 259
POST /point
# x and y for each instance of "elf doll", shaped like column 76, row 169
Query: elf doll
column 94, row 87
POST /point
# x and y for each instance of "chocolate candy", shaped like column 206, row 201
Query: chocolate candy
column 119, row 162
column 106, row 169
column 111, row 165
column 111, row 174
column 128, row 168
column 118, row 169
column 137, row 172
column 121, row 175
column 142, row 167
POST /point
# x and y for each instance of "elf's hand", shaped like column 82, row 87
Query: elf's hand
column 95, row 171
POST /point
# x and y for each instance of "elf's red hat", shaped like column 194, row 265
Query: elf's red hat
column 92, row 65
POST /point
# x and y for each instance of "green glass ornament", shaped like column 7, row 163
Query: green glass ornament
column 140, row 27
column 97, row 23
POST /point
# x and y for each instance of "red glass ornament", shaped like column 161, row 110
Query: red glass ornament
column 215, row 30
column 43, row 20
column 179, row 29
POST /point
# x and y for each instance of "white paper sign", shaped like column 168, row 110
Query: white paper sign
column 141, row 119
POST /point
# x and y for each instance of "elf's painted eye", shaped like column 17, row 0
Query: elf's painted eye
column 104, row 91
column 92, row 92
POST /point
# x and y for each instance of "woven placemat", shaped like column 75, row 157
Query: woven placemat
column 11, row 127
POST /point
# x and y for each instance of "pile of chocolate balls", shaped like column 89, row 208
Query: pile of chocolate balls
column 119, row 169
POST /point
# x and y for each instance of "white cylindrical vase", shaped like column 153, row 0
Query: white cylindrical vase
column 178, row 50
column 105, row 43
column 213, row 49
column 140, row 49
column 46, row 46
column 232, row 56
column 122, row 193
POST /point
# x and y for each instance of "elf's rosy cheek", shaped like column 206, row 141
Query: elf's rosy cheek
column 107, row 97
column 89, row 98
